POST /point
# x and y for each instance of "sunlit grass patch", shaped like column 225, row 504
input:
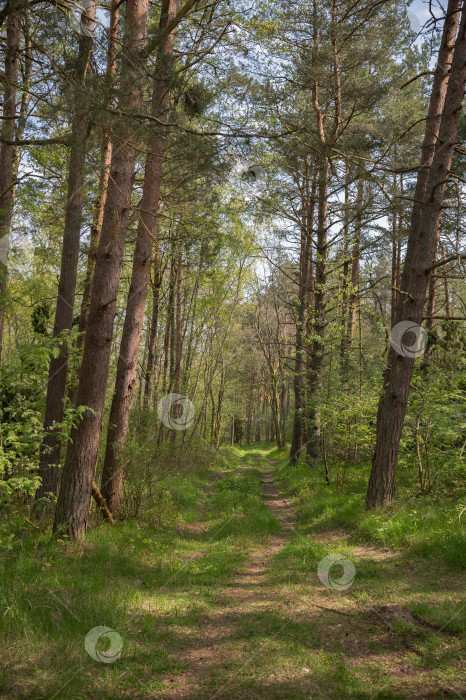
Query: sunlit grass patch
column 422, row 525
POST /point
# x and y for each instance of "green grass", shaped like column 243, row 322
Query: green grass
column 166, row 583
column 52, row 593
column 419, row 537
column 423, row 525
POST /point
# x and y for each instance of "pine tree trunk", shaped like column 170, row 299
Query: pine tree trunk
column 395, row 239
column 168, row 321
column 78, row 472
column 275, row 406
column 249, row 418
column 298, row 380
column 345, row 280
column 218, row 417
column 105, row 162
column 178, row 325
column 259, row 414
column 58, row 368
column 112, row 474
column 355, row 265
column 430, row 309
column 7, row 151
column 420, row 253
column 445, row 287
column 149, row 378
column 317, row 357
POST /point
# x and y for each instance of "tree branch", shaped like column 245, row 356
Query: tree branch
column 455, row 256
column 160, row 36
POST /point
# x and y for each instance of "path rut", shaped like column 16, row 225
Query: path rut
column 246, row 594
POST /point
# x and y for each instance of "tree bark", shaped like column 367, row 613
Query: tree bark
column 7, row 152
column 218, row 417
column 355, row 264
column 105, row 162
column 78, row 472
column 298, row 380
column 259, row 416
column 58, row 368
column 178, row 326
column 249, row 417
column 100, row 501
column 317, row 358
column 168, row 320
column 149, row 378
column 112, row 474
column 419, row 255
column 445, row 287
column 430, row 309
column 345, row 279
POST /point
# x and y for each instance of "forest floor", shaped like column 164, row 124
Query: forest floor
column 227, row 603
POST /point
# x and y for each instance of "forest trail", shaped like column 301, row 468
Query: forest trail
column 232, row 323
column 246, row 595
column 268, row 636
column 224, row 601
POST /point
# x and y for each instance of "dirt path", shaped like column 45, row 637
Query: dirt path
column 227, row 603
column 274, row 633
column 247, row 594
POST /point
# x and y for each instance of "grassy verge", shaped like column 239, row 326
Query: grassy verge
column 208, row 602
column 150, row 580
column 423, row 525
column 408, row 591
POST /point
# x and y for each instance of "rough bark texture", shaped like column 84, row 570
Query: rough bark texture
column 345, row 279
column 420, row 253
column 78, row 472
column 396, row 249
column 168, row 321
column 112, row 474
column 7, row 152
column 178, row 326
column 430, row 309
column 259, row 416
column 58, row 368
column 351, row 294
column 298, row 379
column 355, row 254
column 105, row 162
column 317, row 358
column 149, row 378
